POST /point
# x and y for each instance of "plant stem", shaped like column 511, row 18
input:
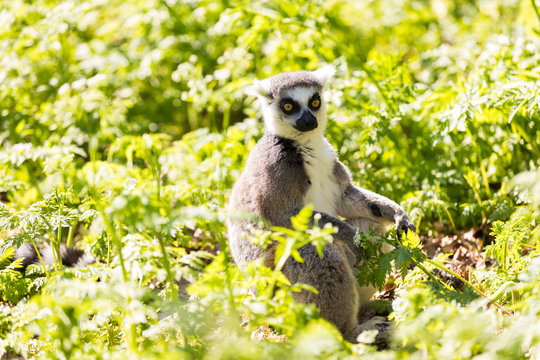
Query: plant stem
column 418, row 222
column 228, row 280
column 430, row 275
column 286, row 254
column 108, row 251
column 116, row 239
column 482, row 167
column 39, row 257
column 385, row 98
column 518, row 129
column 71, row 232
column 501, row 291
column 533, row 2
column 170, row 277
column 132, row 338
column 505, row 255
column 212, row 119
column 451, row 220
column 484, row 177
column 55, row 252
column 59, row 234
column 158, row 179
column 226, row 119
column 475, row 288
column 110, row 334
column 55, row 248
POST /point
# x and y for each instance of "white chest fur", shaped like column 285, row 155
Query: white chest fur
column 319, row 160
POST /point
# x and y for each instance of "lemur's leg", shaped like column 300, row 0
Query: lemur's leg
column 353, row 254
column 331, row 275
column 340, row 299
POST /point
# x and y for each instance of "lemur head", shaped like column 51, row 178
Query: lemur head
column 292, row 104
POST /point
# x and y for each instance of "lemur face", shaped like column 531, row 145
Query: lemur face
column 292, row 104
column 299, row 107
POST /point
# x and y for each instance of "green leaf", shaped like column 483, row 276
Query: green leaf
column 300, row 222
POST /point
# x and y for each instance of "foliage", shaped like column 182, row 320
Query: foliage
column 123, row 126
column 12, row 285
column 377, row 263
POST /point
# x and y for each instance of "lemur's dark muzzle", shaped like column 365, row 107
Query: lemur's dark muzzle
column 306, row 121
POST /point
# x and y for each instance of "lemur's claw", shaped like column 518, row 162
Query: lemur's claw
column 403, row 224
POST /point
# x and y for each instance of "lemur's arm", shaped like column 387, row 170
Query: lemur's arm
column 345, row 232
column 361, row 203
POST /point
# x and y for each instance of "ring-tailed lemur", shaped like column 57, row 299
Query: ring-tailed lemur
column 294, row 165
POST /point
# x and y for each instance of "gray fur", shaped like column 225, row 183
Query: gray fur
column 273, row 187
column 280, row 82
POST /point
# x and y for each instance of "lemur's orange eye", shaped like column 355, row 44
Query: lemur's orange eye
column 288, row 106
column 315, row 102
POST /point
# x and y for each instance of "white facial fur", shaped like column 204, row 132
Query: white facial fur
column 281, row 124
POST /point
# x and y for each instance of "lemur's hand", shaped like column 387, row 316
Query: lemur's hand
column 403, row 223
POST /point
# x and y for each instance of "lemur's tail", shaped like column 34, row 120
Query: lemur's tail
column 70, row 256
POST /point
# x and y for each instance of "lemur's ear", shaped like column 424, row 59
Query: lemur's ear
column 260, row 89
column 325, row 73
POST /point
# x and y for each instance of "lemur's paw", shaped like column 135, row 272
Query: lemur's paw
column 376, row 331
column 403, row 223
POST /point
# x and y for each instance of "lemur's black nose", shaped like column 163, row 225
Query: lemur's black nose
column 306, row 121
